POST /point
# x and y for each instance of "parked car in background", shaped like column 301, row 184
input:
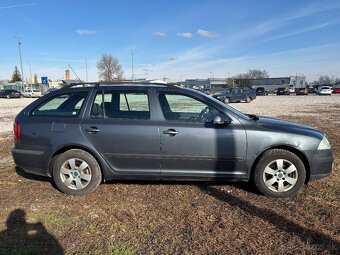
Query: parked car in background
column 336, row 90
column 325, row 91
column 261, row 91
column 282, row 91
column 291, row 89
column 81, row 136
column 32, row 93
column 311, row 90
column 10, row 93
column 236, row 95
column 301, row 91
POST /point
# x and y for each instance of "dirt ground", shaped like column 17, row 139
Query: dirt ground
column 175, row 217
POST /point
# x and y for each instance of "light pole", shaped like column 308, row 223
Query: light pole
column 212, row 79
column 182, row 78
column 86, row 69
column 29, row 64
column 22, row 70
column 132, row 72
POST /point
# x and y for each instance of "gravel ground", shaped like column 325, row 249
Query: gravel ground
column 274, row 106
column 9, row 108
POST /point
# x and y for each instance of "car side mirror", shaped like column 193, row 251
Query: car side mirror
column 221, row 119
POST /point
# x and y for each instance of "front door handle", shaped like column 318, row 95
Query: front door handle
column 92, row 130
column 170, row 132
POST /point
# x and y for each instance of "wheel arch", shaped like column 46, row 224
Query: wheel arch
column 79, row 147
column 292, row 149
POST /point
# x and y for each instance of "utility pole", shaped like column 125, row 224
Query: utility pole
column 86, row 69
column 30, row 74
column 22, row 70
column 132, row 72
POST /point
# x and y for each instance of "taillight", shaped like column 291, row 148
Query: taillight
column 16, row 131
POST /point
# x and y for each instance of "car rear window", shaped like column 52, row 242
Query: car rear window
column 121, row 105
column 62, row 105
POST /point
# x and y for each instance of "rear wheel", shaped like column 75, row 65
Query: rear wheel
column 7, row 96
column 279, row 173
column 227, row 100
column 76, row 172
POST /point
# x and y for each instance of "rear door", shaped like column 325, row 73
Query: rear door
column 122, row 127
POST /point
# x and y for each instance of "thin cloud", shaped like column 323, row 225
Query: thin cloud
column 207, row 34
column 172, row 58
column 160, row 34
column 85, row 32
column 304, row 30
column 275, row 24
column 16, row 6
column 184, row 35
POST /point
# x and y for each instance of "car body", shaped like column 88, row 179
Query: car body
column 336, row 90
column 82, row 136
column 32, row 93
column 282, row 91
column 10, row 93
column 301, row 91
column 261, row 91
column 325, row 91
column 233, row 95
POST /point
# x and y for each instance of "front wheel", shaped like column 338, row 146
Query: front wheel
column 279, row 173
column 227, row 100
column 76, row 172
column 248, row 100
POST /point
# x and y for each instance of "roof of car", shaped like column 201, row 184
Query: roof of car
column 119, row 84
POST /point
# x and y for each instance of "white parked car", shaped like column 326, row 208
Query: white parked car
column 325, row 90
column 32, row 93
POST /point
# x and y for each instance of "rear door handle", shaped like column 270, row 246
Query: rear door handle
column 170, row 132
column 92, row 130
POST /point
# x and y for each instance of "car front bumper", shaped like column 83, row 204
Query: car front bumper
column 321, row 164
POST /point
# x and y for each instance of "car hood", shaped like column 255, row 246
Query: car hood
column 288, row 126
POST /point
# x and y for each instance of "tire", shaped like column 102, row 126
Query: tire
column 279, row 173
column 248, row 100
column 8, row 96
column 226, row 100
column 72, row 180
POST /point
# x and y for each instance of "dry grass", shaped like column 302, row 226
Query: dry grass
column 171, row 217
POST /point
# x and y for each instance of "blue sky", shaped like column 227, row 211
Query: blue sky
column 174, row 39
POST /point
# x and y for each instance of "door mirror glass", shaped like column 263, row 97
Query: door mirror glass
column 221, row 119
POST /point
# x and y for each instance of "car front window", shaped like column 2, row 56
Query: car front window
column 179, row 107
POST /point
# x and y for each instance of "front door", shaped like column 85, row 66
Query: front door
column 121, row 127
column 191, row 145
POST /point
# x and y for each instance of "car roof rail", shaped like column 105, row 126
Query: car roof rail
column 97, row 84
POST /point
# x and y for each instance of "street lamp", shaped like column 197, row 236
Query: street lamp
column 132, row 71
column 182, row 79
column 22, row 70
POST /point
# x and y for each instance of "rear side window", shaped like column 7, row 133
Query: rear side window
column 121, row 105
column 65, row 105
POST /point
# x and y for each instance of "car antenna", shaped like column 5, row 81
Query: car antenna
column 82, row 82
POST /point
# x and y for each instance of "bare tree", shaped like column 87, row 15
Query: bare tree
column 242, row 79
column 109, row 68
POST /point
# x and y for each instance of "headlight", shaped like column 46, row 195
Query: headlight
column 324, row 144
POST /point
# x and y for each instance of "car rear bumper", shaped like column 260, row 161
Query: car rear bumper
column 321, row 164
column 31, row 161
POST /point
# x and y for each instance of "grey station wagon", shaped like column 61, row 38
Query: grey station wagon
column 86, row 134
